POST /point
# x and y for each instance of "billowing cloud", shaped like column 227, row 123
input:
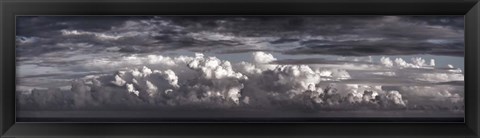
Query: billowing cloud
column 187, row 82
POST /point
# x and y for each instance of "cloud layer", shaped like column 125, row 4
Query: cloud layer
column 330, row 35
column 203, row 82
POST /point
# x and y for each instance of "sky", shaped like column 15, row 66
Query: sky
column 396, row 64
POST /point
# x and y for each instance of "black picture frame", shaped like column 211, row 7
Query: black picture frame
column 11, row 8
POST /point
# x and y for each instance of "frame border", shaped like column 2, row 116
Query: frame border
column 10, row 9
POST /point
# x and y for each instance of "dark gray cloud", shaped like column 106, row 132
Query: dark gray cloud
column 334, row 35
column 448, row 21
column 357, row 48
column 47, row 26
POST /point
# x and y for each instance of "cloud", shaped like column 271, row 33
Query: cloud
column 261, row 57
column 396, row 97
column 132, row 61
column 206, row 82
column 319, row 61
column 296, row 35
column 440, row 97
column 377, row 48
column 440, row 77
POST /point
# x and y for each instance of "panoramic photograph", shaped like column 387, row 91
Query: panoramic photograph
column 131, row 68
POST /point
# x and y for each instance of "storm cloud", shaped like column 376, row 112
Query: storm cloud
column 345, row 35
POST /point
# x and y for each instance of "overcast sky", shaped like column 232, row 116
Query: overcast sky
column 314, row 63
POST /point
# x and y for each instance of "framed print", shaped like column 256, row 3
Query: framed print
column 240, row 68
